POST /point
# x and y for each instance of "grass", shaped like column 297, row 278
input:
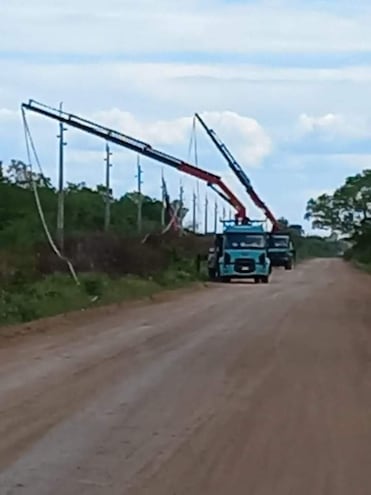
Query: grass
column 365, row 267
column 56, row 294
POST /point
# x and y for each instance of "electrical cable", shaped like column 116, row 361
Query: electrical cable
column 30, row 142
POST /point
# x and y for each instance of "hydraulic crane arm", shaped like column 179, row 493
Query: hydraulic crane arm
column 239, row 172
column 142, row 148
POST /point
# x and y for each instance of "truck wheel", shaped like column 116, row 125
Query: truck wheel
column 226, row 280
column 288, row 265
column 257, row 280
column 265, row 279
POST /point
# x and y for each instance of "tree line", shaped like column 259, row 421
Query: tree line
column 347, row 213
column 84, row 208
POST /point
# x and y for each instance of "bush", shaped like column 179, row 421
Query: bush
column 58, row 293
column 93, row 285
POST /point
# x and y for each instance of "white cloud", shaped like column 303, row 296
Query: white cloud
column 70, row 50
column 7, row 115
column 84, row 154
column 90, row 26
column 324, row 123
column 248, row 139
column 334, row 125
column 251, row 142
column 168, row 90
column 354, row 162
column 160, row 132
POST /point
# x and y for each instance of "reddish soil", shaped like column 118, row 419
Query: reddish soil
column 240, row 389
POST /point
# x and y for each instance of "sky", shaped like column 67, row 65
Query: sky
column 284, row 83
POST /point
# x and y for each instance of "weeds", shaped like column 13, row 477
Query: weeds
column 22, row 301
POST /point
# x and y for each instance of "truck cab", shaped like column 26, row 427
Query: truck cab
column 281, row 250
column 241, row 252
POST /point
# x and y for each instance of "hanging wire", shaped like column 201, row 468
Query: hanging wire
column 193, row 147
column 30, row 145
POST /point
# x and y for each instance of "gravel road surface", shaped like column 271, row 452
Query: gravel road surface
column 238, row 389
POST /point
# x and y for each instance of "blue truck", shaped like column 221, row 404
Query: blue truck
column 281, row 250
column 240, row 252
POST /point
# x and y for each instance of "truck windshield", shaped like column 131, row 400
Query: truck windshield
column 279, row 241
column 244, row 241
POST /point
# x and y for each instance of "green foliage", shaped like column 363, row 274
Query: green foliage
column 46, row 297
column 348, row 212
column 316, row 247
column 313, row 246
column 26, row 294
column 58, row 293
column 84, row 208
column 346, row 209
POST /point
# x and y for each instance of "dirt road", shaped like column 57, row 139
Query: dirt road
column 258, row 390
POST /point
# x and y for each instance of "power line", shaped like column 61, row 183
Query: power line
column 30, row 145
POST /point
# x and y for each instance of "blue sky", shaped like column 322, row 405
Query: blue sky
column 285, row 83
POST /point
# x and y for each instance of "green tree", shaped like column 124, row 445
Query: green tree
column 347, row 212
column 346, row 209
column 84, row 208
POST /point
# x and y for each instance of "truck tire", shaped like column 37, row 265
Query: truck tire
column 225, row 280
column 265, row 279
column 288, row 265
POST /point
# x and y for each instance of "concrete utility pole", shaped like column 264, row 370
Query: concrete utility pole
column 216, row 217
column 194, row 208
column 163, row 199
column 107, row 211
column 206, row 213
column 140, row 202
column 60, row 211
column 181, row 204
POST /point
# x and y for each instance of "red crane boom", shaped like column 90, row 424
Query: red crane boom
column 239, row 172
column 145, row 149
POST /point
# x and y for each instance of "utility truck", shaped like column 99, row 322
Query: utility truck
column 240, row 252
column 280, row 248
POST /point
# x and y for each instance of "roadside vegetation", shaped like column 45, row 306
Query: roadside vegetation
column 347, row 215
column 311, row 246
column 112, row 266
